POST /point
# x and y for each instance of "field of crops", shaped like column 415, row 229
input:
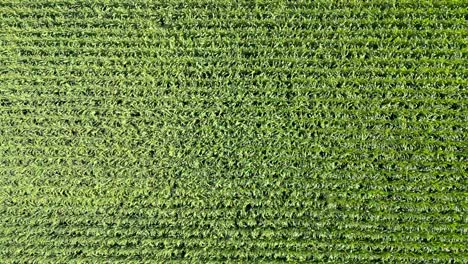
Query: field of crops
column 214, row 131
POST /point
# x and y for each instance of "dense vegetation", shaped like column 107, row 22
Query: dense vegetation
column 207, row 131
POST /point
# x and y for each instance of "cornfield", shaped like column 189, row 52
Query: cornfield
column 222, row 131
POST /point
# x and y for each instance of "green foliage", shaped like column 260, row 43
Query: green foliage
column 143, row 131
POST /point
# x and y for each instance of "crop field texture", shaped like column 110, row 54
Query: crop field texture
column 219, row 131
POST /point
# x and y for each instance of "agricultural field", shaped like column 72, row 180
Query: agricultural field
column 222, row 131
